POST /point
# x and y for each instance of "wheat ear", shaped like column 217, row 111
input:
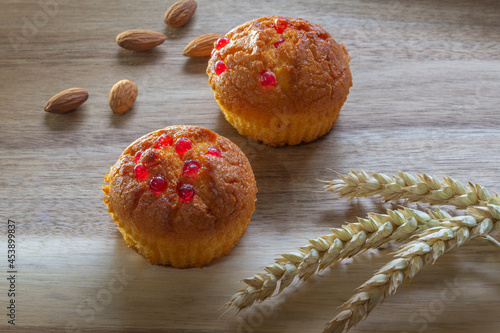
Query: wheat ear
column 422, row 188
column 428, row 246
column 325, row 251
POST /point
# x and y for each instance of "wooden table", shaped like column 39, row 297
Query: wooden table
column 425, row 98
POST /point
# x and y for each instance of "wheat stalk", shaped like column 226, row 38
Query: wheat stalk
column 325, row 251
column 427, row 247
column 422, row 188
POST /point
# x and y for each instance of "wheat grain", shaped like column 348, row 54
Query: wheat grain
column 422, row 188
column 324, row 251
column 427, row 247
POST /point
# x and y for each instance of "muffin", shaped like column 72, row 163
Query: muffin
column 181, row 196
column 280, row 80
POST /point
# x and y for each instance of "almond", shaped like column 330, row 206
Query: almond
column 180, row 13
column 201, row 46
column 66, row 100
column 140, row 40
column 122, row 96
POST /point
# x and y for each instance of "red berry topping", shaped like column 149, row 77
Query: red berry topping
column 220, row 67
column 163, row 140
column 267, row 79
column 278, row 42
column 158, row 185
column 213, row 151
column 221, row 42
column 182, row 145
column 212, row 53
column 141, row 172
column 137, row 156
column 280, row 24
column 186, row 192
column 190, row 168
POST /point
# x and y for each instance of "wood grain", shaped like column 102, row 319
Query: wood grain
column 426, row 79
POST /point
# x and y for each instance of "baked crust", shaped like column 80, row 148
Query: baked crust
column 311, row 69
column 163, row 227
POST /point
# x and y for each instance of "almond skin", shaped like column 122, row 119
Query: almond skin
column 201, row 46
column 140, row 40
column 66, row 100
column 122, row 96
column 180, row 13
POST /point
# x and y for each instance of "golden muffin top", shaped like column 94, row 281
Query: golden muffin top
column 279, row 64
column 184, row 181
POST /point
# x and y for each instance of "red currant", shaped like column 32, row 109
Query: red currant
column 186, row 192
column 213, row 151
column 182, row 145
column 280, row 24
column 267, row 79
column 141, row 172
column 158, row 184
column 190, row 168
column 163, row 140
column 221, row 42
column 220, row 67
column 137, row 156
